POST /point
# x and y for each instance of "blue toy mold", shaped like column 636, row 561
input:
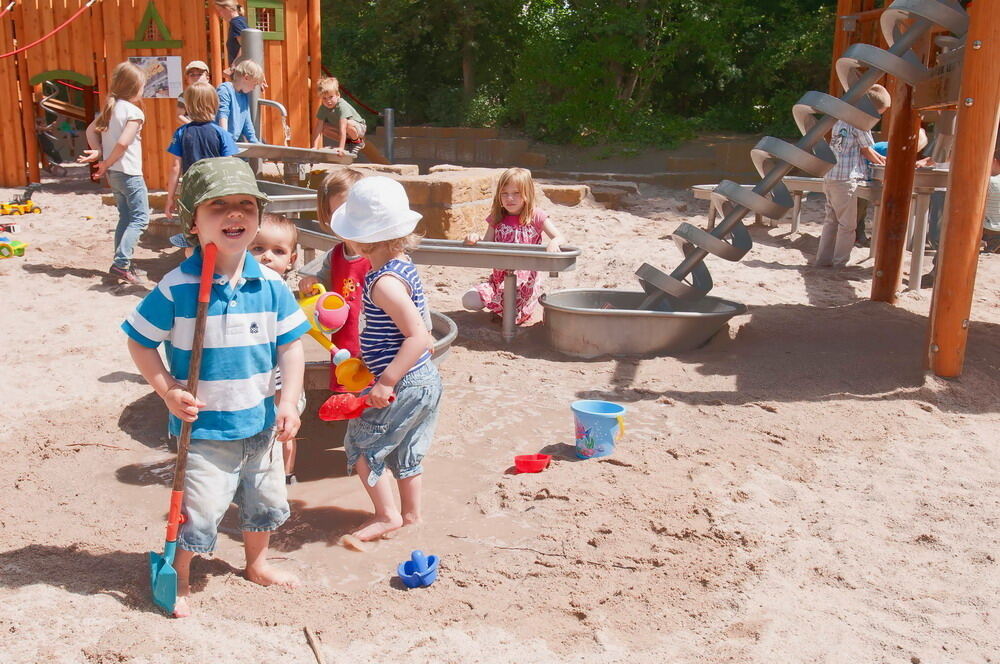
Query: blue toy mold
column 419, row 570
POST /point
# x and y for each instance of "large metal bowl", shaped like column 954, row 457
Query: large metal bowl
column 591, row 323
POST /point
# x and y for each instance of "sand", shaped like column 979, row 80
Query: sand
column 797, row 490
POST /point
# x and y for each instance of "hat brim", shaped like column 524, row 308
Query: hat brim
column 351, row 229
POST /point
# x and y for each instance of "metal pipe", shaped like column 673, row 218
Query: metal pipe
column 252, row 48
column 389, row 120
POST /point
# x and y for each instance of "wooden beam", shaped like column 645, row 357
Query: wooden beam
column 841, row 40
column 27, row 106
column 975, row 141
column 315, row 61
column 214, row 43
column 897, row 190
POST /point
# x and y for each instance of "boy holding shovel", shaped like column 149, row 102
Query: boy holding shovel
column 232, row 423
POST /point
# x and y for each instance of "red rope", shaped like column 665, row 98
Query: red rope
column 348, row 93
column 8, row 8
column 41, row 39
column 75, row 87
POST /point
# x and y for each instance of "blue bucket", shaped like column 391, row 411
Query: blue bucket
column 599, row 424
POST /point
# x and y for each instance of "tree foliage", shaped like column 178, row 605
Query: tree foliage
column 583, row 70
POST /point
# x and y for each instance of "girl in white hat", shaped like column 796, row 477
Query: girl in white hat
column 377, row 223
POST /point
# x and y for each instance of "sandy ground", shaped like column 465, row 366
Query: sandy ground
column 797, row 490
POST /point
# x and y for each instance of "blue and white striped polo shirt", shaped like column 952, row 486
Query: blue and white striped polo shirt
column 244, row 328
column 847, row 141
column 380, row 338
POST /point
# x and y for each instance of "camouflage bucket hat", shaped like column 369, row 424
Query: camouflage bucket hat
column 214, row 178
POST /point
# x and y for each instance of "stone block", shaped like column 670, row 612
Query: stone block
column 454, row 223
column 566, row 194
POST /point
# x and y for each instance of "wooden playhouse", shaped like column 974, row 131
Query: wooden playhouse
column 63, row 51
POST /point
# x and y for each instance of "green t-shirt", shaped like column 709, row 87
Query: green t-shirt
column 332, row 116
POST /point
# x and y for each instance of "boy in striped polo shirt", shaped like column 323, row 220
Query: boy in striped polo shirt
column 853, row 149
column 253, row 326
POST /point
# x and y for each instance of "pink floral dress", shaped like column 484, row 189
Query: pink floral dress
column 529, row 283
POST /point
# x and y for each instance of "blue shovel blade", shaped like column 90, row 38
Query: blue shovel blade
column 163, row 581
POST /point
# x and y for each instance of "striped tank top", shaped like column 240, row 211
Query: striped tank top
column 380, row 338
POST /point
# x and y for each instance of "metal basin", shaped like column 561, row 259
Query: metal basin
column 287, row 198
column 318, row 360
column 591, row 323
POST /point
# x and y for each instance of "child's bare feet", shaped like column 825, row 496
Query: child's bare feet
column 412, row 519
column 266, row 575
column 378, row 526
column 181, row 607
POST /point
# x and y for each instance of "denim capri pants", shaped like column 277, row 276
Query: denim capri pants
column 399, row 435
column 248, row 472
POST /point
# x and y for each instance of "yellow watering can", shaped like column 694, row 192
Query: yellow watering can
column 327, row 312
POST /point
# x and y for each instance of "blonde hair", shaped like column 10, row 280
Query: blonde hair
column 283, row 222
column 404, row 244
column 335, row 183
column 328, row 84
column 201, row 102
column 879, row 97
column 230, row 4
column 249, row 70
column 127, row 82
column 521, row 178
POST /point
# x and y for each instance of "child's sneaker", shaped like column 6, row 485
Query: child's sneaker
column 353, row 148
column 126, row 274
column 291, row 479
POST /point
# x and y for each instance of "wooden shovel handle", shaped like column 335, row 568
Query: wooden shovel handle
column 194, row 368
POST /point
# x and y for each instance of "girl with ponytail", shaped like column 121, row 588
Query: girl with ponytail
column 116, row 144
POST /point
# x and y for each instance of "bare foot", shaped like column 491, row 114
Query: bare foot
column 377, row 527
column 181, row 608
column 412, row 519
column 353, row 543
column 266, row 575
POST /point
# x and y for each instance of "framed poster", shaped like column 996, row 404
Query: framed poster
column 163, row 75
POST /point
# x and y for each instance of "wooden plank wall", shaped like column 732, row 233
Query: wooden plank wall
column 12, row 165
column 95, row 42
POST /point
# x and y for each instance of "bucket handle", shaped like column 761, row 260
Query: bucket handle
column 621, row 428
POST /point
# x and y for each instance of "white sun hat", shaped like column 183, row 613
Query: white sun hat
column 376, row 210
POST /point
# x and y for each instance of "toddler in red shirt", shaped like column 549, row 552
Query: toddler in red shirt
column 338, row 270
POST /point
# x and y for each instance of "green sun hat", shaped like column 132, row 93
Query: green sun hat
column 214, row 178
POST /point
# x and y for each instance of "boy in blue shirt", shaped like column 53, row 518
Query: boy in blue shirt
column 199, row 139
column 253, row 325
column 234, row 102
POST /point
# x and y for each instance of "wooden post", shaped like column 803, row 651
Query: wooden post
column 841, row 40
column 315, row 59
column 975, row 141
column 214, row 44
column 890, row 240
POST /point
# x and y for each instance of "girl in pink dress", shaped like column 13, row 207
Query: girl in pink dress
column 513, row 219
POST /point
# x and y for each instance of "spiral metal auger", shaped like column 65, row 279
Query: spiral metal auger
column 903, row 23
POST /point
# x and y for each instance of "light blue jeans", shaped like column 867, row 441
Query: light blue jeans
column 399, row 435
column 249, row 472
column 132, row 200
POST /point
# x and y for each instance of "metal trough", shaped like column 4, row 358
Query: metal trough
column 290, row 155
column 455, row 253
column 318, row 360
column 591, row 323
column 288, row 199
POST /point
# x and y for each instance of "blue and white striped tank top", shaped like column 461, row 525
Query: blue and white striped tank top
column 380, row 338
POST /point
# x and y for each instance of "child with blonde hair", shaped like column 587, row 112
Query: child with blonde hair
column 340, row 270
column 200, row 138
column 274, row 247
column 337, row 120
column 513, row 219
column 234, row 101
column 376, row 221
column 116, row 136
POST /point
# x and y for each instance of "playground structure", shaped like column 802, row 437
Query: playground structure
column 905, row 25
column 76, row 44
